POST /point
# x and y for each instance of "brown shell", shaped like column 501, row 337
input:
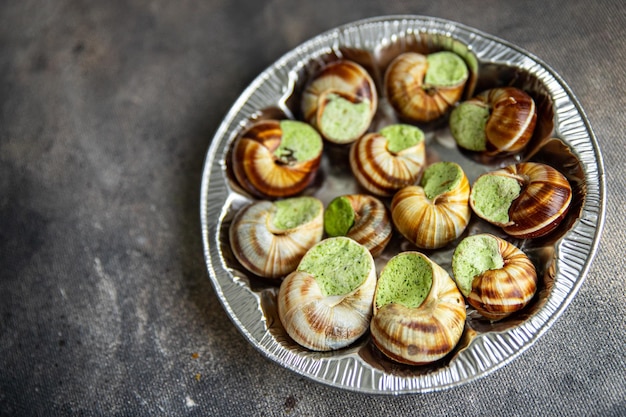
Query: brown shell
column 266, row 251
column 262, row 173
column 512, row 119
column 498, row 293
column 406, row 92
column 345, row 78
column 543, row 202
column 424, row 334
column 431, row 224
column 381, row 171
column 372, row 226
column 324, row 323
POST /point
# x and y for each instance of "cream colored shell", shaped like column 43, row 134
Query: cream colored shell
column 381, row 171
column 422, row 335
column 266, row 250
column 324, row 323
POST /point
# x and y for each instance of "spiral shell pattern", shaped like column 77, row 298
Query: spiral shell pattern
column 512, row 120
column 406, row 92
column 431, row 224
column 424, row 334
column 268, row 251
column 320, row 322
column 382, row 172
column 372, row 225
column 346, row 79
column 260, row 172
column 543, row 202
column 497, row 293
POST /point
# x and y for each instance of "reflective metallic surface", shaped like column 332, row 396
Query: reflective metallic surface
column 563, row 139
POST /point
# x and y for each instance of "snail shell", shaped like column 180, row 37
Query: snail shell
column 527, row 200
column 422, row 333
column 361, row 217
column 340, row 101
column 436, row 212
column 326, row 304
column 495, row 276
column 383, row 169
column 270, row 238
column 504, row 121
column 410, row 93
column 276, row 158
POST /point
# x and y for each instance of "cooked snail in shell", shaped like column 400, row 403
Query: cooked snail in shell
column 497, row 121
column 361, row 217
column 495, row 276
column 277, row 158
column 385, row 161
column 422, row 88
column 326, row 303
column 419, row 313
column 526, row 200
column 340, row 101
column 436, row 212
column 269, row 238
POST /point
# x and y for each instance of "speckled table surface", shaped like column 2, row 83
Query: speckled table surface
column 106, row 113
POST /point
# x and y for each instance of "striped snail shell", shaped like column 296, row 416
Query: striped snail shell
column 436, row 212
column 422, row 88
column 340, row 101
column 495, row 276
column 385, row 161
column 273, row 158
column 361, row 217
column 269, row 238
column 419, row 313
column 326, row 303
column 496, row 121
column 527, row 200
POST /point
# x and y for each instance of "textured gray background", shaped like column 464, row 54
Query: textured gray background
column 106, row 112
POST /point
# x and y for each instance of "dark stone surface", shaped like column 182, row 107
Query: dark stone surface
column 106, row 112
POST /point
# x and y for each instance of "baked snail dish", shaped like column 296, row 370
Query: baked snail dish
column 419, row 313
column 385, row 161
column 527, row 200
column 340, row 101
column 277, row 158
column 495, row 276
column 269, row 238
column 497, row 121
column 361, row 217
column 326, row 303
column 436, row 212
column 422, row 88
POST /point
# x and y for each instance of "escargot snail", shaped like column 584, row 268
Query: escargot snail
column 385, row 161
column 270, row 238
column 340, row 101
column 326, row 303
column 276, row 158
column 496, row 121
column 419, row 313
column 361, row 217
column 526, row 200
column 422, row 88
column 494, row 275
column 436, row 212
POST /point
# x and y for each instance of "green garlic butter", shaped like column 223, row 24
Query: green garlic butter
column 401, row 137
column 473, row 256
column 339, row 264
column 406, row 279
